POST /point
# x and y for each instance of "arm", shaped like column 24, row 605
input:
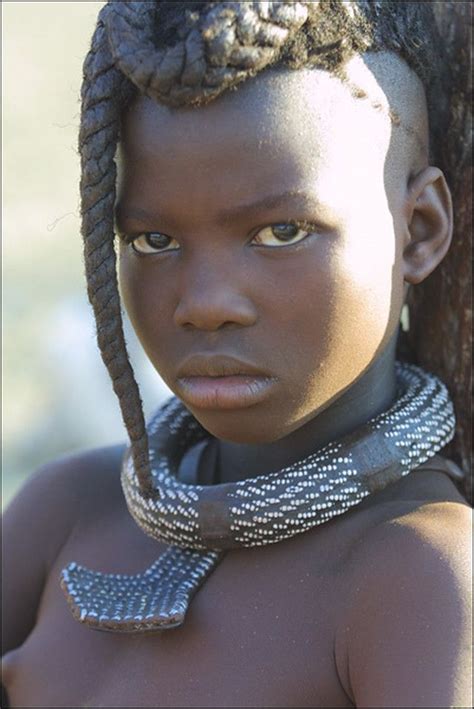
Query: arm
column 35, row 526
column 39, row 521
column 406, row 639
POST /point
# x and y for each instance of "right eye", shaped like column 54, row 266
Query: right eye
column 153, row 242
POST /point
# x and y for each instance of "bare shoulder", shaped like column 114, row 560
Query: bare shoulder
column 51, row 498
column 441, row 525
column 90, row 475
column 404, row 639
column 429, row 544
column 38, row 522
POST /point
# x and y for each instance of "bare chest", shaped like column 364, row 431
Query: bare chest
column 260, row 632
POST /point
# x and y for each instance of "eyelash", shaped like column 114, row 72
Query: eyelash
column 301, row 225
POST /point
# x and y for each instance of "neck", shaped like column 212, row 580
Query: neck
column 372, row 394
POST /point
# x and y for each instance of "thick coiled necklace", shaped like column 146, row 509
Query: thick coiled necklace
column 201, row 522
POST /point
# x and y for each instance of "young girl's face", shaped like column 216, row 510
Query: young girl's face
column 268, row 227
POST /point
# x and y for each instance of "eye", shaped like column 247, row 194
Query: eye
column 153, row 242
column 283, row 234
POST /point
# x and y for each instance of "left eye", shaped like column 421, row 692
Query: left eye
column 282, row 234
column 152, row 242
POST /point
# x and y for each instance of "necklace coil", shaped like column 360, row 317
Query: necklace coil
column 199, row 523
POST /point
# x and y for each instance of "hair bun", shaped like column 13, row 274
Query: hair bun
column 222, row 44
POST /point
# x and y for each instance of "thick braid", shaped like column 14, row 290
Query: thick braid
column 220, row 45
column 102, row 89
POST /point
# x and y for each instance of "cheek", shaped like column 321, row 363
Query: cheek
column 142, row 296
column 346, row 309
column 343, row 295
column 369, row 295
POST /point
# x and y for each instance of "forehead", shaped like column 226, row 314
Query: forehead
column 285, row 126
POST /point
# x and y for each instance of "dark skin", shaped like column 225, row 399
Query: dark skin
column 339, row 616
column 319, row 313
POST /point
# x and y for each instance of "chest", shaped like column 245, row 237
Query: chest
column 260, row 632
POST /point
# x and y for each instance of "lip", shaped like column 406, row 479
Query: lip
column 217, row 365
column 221, row 381
column 232, row 392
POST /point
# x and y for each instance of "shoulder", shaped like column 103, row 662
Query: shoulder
column 85, row 476
column 427, row 540
column 405, row 631
column 61, row 486
column 37, row 523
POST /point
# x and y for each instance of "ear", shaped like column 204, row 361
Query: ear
column 429, row 224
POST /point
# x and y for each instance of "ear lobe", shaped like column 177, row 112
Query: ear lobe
column 429, row 218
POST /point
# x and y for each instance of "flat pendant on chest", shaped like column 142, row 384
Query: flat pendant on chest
column 156, row 599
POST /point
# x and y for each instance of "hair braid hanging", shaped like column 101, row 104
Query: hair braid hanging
column 101, row 90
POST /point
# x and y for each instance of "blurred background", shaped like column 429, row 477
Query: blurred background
column 57, row 397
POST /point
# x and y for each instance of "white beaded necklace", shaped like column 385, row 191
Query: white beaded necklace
column 201, row 522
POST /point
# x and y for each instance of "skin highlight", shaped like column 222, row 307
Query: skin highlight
column 319, row 315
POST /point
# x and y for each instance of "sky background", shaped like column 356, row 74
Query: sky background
column 57, row 397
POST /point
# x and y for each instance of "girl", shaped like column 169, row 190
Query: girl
column 283, row 532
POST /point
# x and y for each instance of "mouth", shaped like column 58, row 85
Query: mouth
column 222, row 382
column 232, row 392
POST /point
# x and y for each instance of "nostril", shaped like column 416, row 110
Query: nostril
column 228, row 325
column 215, row 311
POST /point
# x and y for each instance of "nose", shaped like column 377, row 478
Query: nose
column 213, row 295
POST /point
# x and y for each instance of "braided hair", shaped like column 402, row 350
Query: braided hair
column 188, row 53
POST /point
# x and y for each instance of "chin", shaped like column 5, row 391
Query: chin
column 236, row 426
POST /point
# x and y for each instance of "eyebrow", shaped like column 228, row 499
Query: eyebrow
column 289, row 198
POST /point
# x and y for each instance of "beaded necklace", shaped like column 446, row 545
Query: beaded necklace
column 201, row 522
